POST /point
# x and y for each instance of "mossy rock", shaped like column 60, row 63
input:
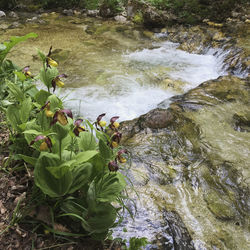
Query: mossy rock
column 148, row 34
column 101, row 29
column 220, row 205
column 138, row 18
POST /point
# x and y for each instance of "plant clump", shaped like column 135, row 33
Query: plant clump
column 77, row 166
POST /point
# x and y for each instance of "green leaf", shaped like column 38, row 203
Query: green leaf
column 42, row 96
column 110, row 187
column 29, row 159
column 12, row 114
column 13, row 41
column 58, row 171
column 46, row 181
column 55, row 102
column 91, row 196
column 26, row 107
column 85, row 156
column 60, row 130
column 47, row 75
column 73, row 205
column 20, row 75
column 101, row 219
column 15, row 91
column 81, row 175
column 105, row 150
column 87, row 141
column 42, row 56
column 32, row 132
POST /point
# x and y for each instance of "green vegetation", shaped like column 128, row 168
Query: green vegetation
column 75, row 163
column 191, row 11
column 186, row 11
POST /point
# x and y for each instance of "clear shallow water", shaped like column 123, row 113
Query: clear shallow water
column 113, row 68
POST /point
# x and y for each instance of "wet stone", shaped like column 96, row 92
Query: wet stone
column 156, row 119
column 176, row 234
column 220, row 205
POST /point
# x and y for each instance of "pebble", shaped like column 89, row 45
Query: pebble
column 120, row 19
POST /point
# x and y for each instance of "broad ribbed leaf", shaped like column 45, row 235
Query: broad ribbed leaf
column 105, row 150
column 85, row 156
column 26, row 107
column 81, row 175
column 48, row 75
column 42, row 96
column 46, row 181
column 13, row 117
column 15, row 91
column 109, row 187
column 101, row 219
column 29, row 159
column 87, row 141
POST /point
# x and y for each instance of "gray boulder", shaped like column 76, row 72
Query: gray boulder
column 2, row 14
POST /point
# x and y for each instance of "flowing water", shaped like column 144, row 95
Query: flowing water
column 113, row 69
column 191, row 178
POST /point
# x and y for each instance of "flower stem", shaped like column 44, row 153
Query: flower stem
column 60, row 149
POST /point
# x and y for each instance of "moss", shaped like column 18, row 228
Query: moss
column 138, row 18
column 220, row 205
column 33, row 7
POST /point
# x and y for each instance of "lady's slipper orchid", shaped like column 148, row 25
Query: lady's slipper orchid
column 78, row 128
column 57, row 81
column 27, row 72
column 113, row 123
column 46, row 108
column 49, row 60
column 99, row 122
column 113, row 166
column 45, row 145
column 115, row 139
column 60, row 116
column 120, row 156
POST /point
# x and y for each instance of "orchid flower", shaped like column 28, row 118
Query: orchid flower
column 114, row 125
column 57, row 81
column 26, row 71
column 99, row 122
column 120, row 156
column 115, row 139
column 49, row 61
column 46, row 108
column 45, row 145
column 61, row 116
column 78, row 128
column 113, row 166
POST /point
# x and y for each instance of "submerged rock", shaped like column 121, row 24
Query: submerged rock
column 68, row 12
column 13, row 14
column 220, row 205
column 180, row 237
column 197, row 153
column 120, row 19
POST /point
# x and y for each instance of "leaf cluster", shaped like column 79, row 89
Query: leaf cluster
column 70, row 169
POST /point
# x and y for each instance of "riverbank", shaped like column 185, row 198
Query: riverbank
column 181, row 154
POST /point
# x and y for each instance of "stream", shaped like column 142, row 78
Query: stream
column 192, row 177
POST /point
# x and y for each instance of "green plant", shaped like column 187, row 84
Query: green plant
column 75, row 162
